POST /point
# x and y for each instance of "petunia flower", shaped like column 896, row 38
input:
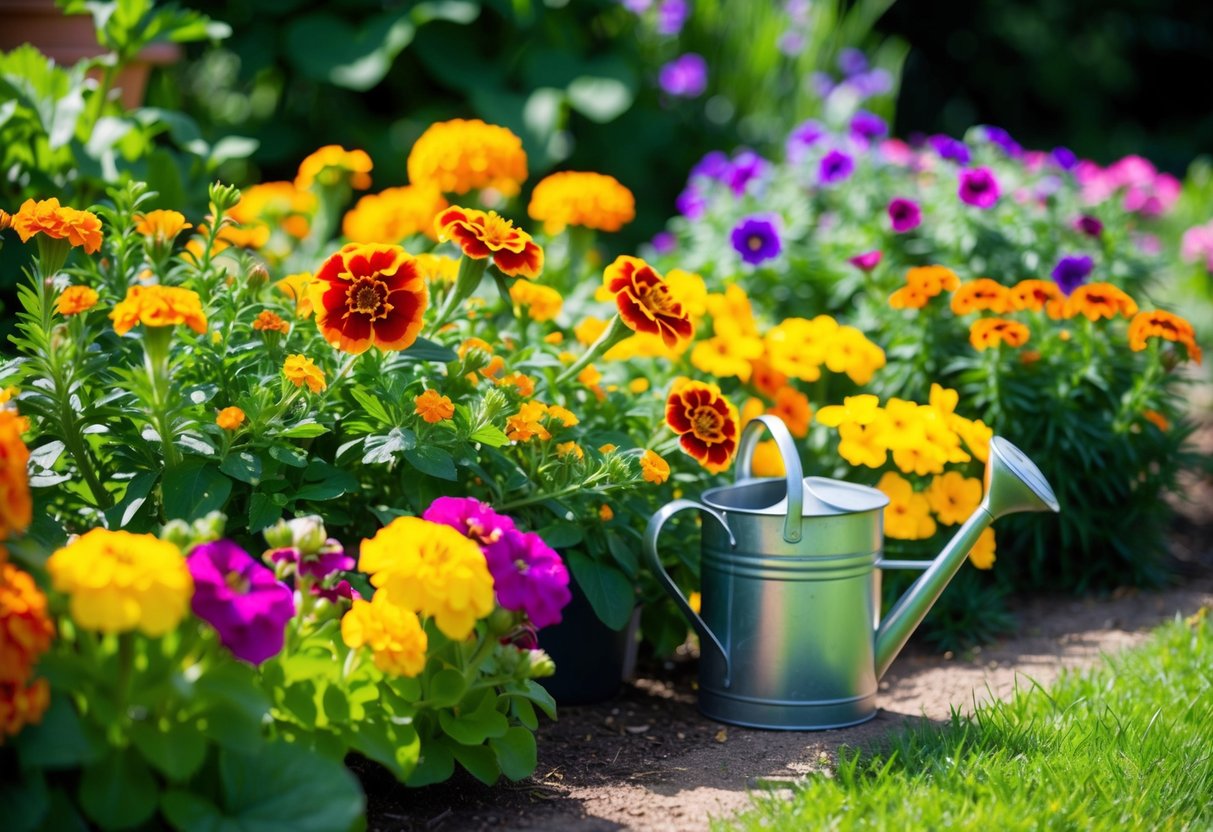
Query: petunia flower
column 1071, row 271
column 978, row 188
column 866, row 261
column 241, row 599
column 904, row 214
column 528, row 576
column 756, row 239
column 684, row 77
column 834, row 167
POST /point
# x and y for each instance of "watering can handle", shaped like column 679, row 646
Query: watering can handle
column 650, row 551
column 791, row 463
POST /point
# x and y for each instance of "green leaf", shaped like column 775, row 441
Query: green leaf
column 237, row 685
column 288, row 456
column 190, row 812
column 432, row 460
column 424, row 349
column 284, row 786
column 60, row 740
column 193, row 489
column 230, row 727
column 396, row 747
column 385, row 447
column 480, row 761
column 336, row 706
column 242, row 466
column 516, row 753
column 446, row 688
column 538, row 694
column 562, row 534
column 371, row 405
column 304, row 430
column 325, row 47
column 524, row 711
column 435, row 764
column 176, row 753
column 475, row 726
column 325, row 482
column 263, row 511
column 118, row 791
column 490, row 435
column 137, row 491
column 26, row 802
column 609, row 590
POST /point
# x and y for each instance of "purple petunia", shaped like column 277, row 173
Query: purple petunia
column 756, row 239
column 714, row 165
column 834, row 167
column 241, row 599
column 684, row 77
column 803, row 136
column 872, row 83
column 951, row 149
column 528, row 576
column 745, row 167
column 866, row 261
column 1089, row 225
column 1000, row 137
column 664, row 242
column 868, row 127
column 978, row 188
column 671, row 15
column 1072, row 271
column 691, row 203
column 1064, row 158
column 852, row 61
column 822, row 84
column 904, row 214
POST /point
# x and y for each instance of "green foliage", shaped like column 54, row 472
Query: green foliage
column 1124, row 746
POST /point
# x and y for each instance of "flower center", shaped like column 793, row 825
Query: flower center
column 707, row 424
column 237, row 582
column 755, row 242
column 658, row 300
column 368, row 296
column 497, row 231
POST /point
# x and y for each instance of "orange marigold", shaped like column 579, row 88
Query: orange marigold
column 793, row 408
column 653, row 468
column 15, row 506
column 922, row 284
column 460, row 155
column 1157, row 420
column 333, row 164
column 527, row 423
column 160, row 225
column 268, row 320
column 707, row 423
column 1035, row 295
column 480, row 235
column 394, row 214
column 75, row 299
column 542, row 303
column 645, row 302
column 765, row 378
column 1162, row 324
column 433, row 407
column 279, row 204
column 990, row 332
column 230, row 418
column 158, row 305
column 47, row 216
column 300, row 370
column 908, row 297
column 981, row 295
column 1099, row 300
column 25, row 627
column 369, row 294
column 21, row 705
column 590, row 200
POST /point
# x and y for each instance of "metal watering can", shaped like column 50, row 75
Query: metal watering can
column 790, row 569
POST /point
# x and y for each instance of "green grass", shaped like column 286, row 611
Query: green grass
column 1128, row 745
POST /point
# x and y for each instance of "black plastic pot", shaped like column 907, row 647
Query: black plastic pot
column 592, row 660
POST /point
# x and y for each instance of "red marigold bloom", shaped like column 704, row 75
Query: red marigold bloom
column 369, row 294
column 1099, row 300
column 706, row 421
column 990, row 332
column 1035, row 294
column 645, row 302
column 482, row 235
column 1160, row 324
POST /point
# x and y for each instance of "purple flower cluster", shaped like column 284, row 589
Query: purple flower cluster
column 738, row 172
column 803, row 136
column 528, row 576
column 684, row 77
column 241, row 599
column 868, row 127
column 1072, row 271
column 951, row 149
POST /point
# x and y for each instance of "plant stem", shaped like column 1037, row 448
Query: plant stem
column 615, row 332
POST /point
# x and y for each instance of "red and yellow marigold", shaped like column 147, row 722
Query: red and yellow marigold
column 589, row 200
column 481, row 235
column 645, row 303
column 990, row 332
column 459, row 156
column 707, row 423
column 981, row 295
column 1166, row 325
column 369, row 294
column 1099, row 300
column 80, row 228
column 158, row 305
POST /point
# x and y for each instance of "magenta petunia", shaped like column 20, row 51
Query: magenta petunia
column 470, row 517
column 241, row 599
column 978, row 188
column 866, row 261
column 529, row 577
column 904, row 214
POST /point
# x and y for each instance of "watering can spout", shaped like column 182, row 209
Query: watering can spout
column 1012, row 484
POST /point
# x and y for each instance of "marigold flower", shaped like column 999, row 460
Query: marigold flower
column 767, row 460
column 572, row 449
column 723, row 357
column 230, row 418
column 859, row 445
column 794, row 409
column 982, row 553
column 300, row 370
column 990, row 332
column 21, row 706
column 1099, row 300
column 1162, row 324
column 980, row 295
column 588, row 329
column 269, row 321
column 554, row 338
column 908, row 297
column 118, row 581
column 479, row 235
column 589, row 200
column 266, row 204
column 395, row 636
column 438, row 268
column 653, row 468
column 369, row 294
column 765, row 378
column 432, row 569
column 394, row 214
column 295, row 287
column 731, row 311
column 645, row 302
column 922, row 284
column 542, row 303
column 863, row 409
column 433, row 407
column 848, row 351
column 590, row 376
column 6, row 220
column 524, row 384
column 1034, row 295
column 333, row 164
column 976, row 436
column 161, row 226
column 797, row 347
column 691, row 292
column 954, row 497
column 527, row 423
column 908, row 515
column 75, row 299
column 26, row 629
column 462, row 155
column 47, row 216
column 158, row 305
column 706, row 422
column 605, row 513
column 562, row 415
column 16, row 508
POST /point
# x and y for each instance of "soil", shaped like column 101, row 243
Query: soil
column 647, row 760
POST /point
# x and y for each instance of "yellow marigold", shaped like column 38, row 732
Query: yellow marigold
column 723, row 356
column 158, row 305
column 25, row 626
column 278, row 204
column 461, row 155
column 300, row 370
column 976, row 435
column 653, row 468
column 394, row 214
column 981, row 295
column 982, row 553
column 954, row 497
column 570, row 449
column 731, row 311
column 639, row 385
column 295, row 287
column 588, row 330
column 75, row 299
column 990, row 332
column 268, row 321
column 943, row 399
column 767, row 460
column 690, row 290
column 47, row 216
column 562, row 415
column 751, row 408
column 333, row 164
column 438, row 268
column 607, row 448
column 1099, row 300
column 590, row 200
column 542, row 303
column 859, row 445
column 393, row 633
column 433, row 407
column 908, row 515
column 554, row 338
column 900, row 424
column 6, row 220
column 118, row 581
column 605, row 513
column 590, row 376
column 797, row 347
column 21, row 705
column 15, row 505
column 230, row 418
column 863, row 409
column 161, row 226
column 848, row 351
column 431, row 569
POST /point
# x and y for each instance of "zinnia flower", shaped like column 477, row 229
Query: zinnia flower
column 230, row 418
column 684, row 77
column 653, row 468
column 756, row 239
column 397, row 641
column 834, row 167
column 433, row 407
column 48, row 217
column 904, row 214
column 589, row 200
column 333, row 164
column 241, row 599
column 1165, row 325
column 1071, row 271
column 369, row 294
column 482, row 235
column 978, row 188
column 707, row 423
column 394, row 214
column 459, row 156
column 645, row 302
column 990, row 332
column 300, row 370
column 117, row 581
column 158, row 305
